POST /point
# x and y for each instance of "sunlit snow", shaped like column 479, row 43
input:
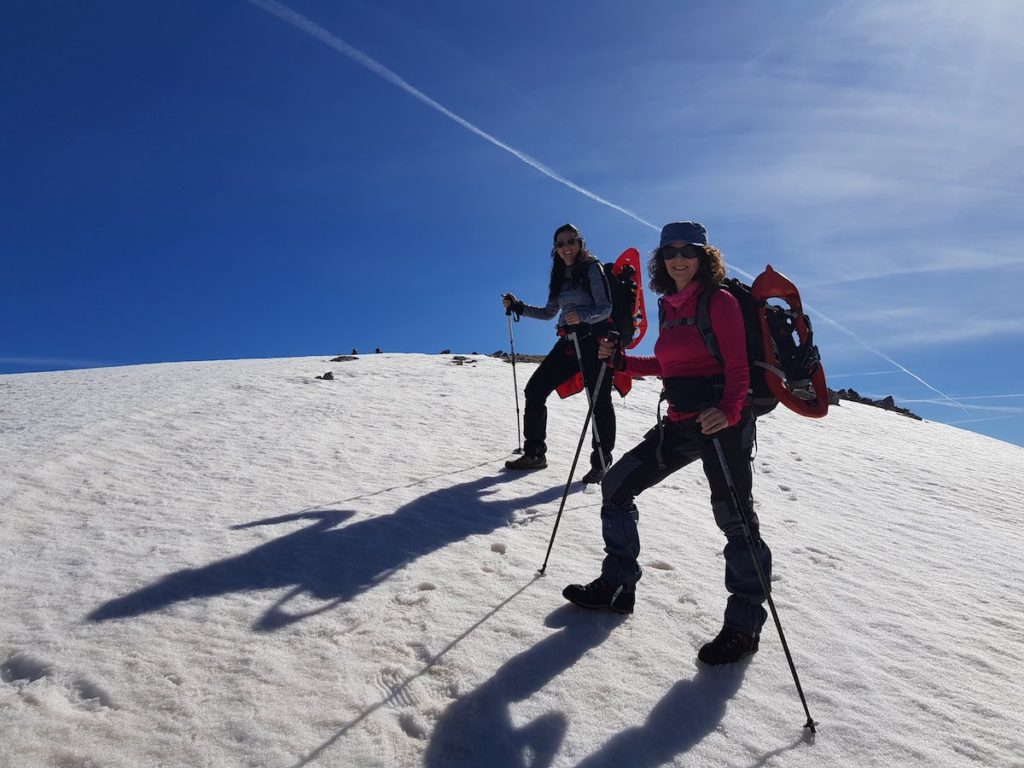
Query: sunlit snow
column 237, row 564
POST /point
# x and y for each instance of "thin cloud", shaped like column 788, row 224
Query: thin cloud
column 53, row 362
column 988, row 418
column 992, row 397
column 871, row 133
column 964, row 260
column 867, row 183
column 1004, row 408
column 991, row 408
column 965, row 330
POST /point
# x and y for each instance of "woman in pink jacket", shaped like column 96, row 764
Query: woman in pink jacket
column 707, row 399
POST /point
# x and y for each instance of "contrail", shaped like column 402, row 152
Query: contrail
column 888, row 359
column 312, row 28
column 1015, row 395
column 990, row 418
column 335, row 42
column 863, row 373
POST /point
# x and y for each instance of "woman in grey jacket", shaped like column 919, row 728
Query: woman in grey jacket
column 578, row 289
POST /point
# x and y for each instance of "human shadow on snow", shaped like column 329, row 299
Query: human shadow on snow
column 477, row 729
column 690, row 711
column 335, row 564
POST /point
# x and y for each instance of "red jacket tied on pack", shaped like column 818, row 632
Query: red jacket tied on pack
column 680, row 350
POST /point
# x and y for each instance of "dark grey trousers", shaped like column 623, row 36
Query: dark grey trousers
column 559, row 366
column 681, row 444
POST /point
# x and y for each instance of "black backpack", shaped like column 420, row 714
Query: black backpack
column 797, row 362
column 622, row 290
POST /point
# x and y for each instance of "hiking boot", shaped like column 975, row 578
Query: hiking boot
column 730, row 646
column 601, row 595
column 593, row 476
column 526, row 461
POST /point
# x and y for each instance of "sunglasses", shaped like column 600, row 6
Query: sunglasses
column 569, row 241
column 669, row 252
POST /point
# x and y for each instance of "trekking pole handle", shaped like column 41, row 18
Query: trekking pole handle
column 510, row 310
column 615, row 338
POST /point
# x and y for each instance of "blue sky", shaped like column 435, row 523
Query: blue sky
column 206, row 180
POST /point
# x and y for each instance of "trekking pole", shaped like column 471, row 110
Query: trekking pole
column 572, row 470
column 579, row 447
column 515, row 383
column 591, row 398
column 734, row 496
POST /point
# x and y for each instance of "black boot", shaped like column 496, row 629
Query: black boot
column 593, row 476
column 526, row 461
column 601, row 595
column 730, row 646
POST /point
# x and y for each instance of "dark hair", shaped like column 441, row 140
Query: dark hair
column 710, row 272
column 579, row 267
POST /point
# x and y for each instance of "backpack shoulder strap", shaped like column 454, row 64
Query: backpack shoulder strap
column 703, row 320
column 604, row 279
column 606, row 273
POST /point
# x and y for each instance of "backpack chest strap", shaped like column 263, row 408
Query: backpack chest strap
column 678, row 322
column 702, row 320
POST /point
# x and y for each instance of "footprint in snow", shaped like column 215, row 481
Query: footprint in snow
column 396, row 685
column 25, row 668
column 22, row 669
column 661, row 565
column 820, row 557
column 418, row 597
column 92, row 694
column 413, row 726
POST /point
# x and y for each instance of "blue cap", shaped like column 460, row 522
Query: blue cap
column 684, row 231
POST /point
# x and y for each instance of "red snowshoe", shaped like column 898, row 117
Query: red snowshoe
column 794, row 373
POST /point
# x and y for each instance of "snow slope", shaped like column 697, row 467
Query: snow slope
column 237, row 564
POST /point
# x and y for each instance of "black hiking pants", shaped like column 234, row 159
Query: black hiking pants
column 559, row 366
column 682, row 443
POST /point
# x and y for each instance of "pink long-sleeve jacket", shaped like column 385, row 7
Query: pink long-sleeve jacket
column 680, row 350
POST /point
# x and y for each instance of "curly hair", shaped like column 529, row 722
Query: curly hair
column 579, row 267
column 710, row 272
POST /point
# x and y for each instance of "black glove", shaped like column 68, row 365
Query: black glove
column 582, row 330
column 515, row 305
column 617, row 362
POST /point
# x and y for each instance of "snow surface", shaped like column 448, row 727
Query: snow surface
column 237, row 564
